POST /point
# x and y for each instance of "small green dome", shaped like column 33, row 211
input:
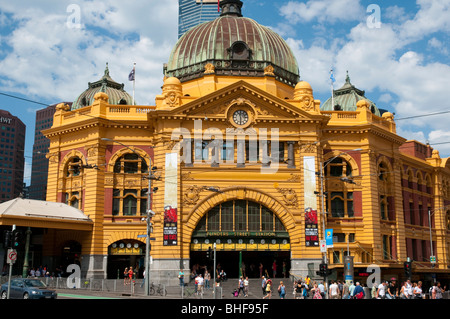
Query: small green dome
column 116, row 93
column 235, row 45
column 346, row 97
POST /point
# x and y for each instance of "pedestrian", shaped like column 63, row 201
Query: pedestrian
column 409, row 289
column 437, row 291
column 200, row 284
column 282, row 290
column 261, row 270
column 284, row 269
column 322, row 289
column 373, row 291
column 268, row 289
column 316, row 292
column 298, row 289
column 352, row 290
column 274, row 268
column 246, row 287
column 418, row 291
column 143, row 281
column 263, row 285
column 334, row 290
column 181, row 277
column 241, row 286
column 130, row 275
column 346, row 291
column 125, row 276
column 381, row 291
column 207, row 279
column 358, row 292
column 392, row 290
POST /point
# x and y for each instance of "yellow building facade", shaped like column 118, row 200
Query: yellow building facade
column 242, row 156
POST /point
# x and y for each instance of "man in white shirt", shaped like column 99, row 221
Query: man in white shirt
column 334, row 290
column 322, row 290
column 381, row 292
column 200, row 284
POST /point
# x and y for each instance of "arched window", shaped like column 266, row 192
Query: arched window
column 130, row 163
column 73, row 199
column 240, row 215
column 338, row 167
column 74, row 167
column 383, row 172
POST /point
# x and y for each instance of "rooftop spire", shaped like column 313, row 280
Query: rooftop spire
column 231, row 7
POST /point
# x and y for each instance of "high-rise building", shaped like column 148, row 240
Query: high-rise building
column 12, row 160
column 194, row 12
column 39, row 169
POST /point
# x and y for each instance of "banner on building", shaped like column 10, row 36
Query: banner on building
column 309, row 177
column 329, row 238
column 170, row 229
column 311, row 229
column 310, row 198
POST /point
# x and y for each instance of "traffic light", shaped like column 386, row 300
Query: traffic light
column 17, row 238
column 209, row 254
column 7, row 238
column 407, row 266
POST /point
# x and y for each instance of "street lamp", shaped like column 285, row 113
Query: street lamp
column 321, row 176
column 150, row 215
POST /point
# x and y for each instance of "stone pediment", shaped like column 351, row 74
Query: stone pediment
column 258, row 104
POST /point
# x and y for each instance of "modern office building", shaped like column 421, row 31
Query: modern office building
column 236, row 154
column 194, row 12
column 39, row 168
column 12, row 160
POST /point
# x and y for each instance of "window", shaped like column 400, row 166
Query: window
column 340, row 204
column 130, row 164
column 383, row 208
column 73, row 199
column 127, row 202
column 338, row 167
column 74, row 167
column 240, row 215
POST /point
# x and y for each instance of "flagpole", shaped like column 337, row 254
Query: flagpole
column 332, row 91
column 134, row 80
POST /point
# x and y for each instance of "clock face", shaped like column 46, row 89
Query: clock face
column 240, row 117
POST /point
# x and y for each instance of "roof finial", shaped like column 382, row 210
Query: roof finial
column 231, row 7
column 107, row 69
column 347, row 78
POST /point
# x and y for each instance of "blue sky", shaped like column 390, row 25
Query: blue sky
column 51, row 49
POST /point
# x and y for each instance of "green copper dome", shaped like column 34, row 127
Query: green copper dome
column 235, row 45
column 346, row 97
column 116, row 93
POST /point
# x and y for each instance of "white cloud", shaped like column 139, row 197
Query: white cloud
column 329, row 11
column 50, row 60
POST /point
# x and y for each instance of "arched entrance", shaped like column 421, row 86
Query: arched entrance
column 125, row 254
column 248, row 235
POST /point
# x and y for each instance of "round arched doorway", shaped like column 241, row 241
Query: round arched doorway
column 250, row 239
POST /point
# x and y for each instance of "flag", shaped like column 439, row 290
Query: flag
column 218, row 5
column 332, row 76
column 131, row 75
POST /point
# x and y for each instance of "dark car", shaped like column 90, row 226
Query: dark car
column 27, row 288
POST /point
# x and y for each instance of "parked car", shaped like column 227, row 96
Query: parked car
column 27, row 288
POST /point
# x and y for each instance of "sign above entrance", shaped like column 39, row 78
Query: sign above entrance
column 239, row 234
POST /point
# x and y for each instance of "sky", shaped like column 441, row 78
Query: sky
column 396, row 51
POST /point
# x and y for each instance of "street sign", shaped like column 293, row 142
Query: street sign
column 145, row 236
column 433, row 259
column 323, row 246
column 12, row 256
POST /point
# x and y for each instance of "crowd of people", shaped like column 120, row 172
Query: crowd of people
column 305, row 288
